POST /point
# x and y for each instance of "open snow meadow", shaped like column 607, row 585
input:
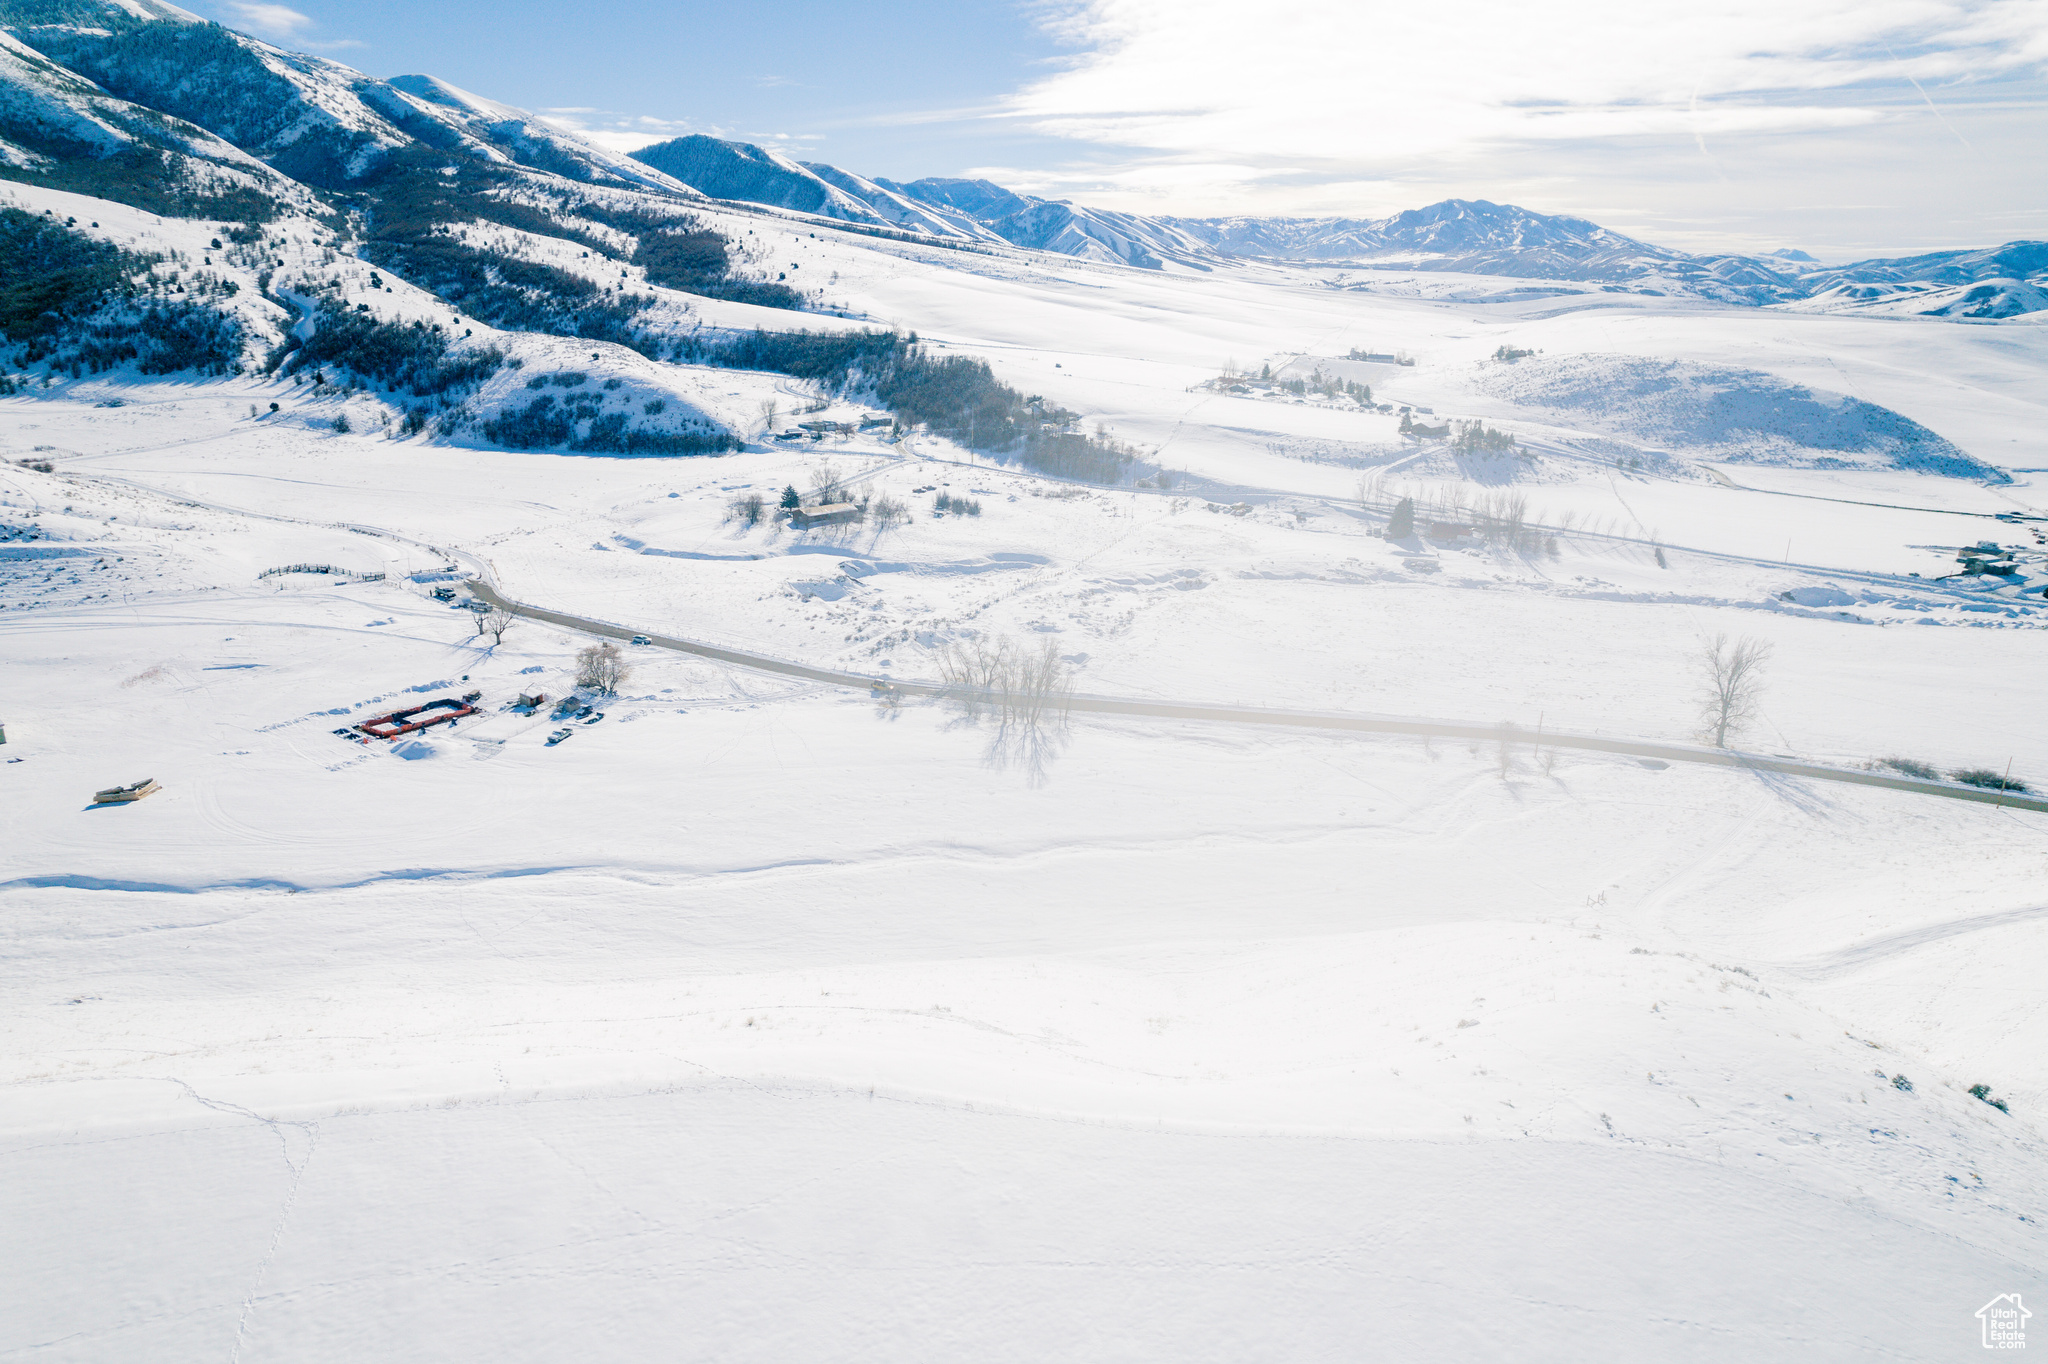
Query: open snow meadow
column 892, row 792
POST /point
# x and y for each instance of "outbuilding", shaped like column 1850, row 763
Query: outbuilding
column 829, row 514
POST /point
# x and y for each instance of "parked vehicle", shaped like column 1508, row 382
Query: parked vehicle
column 594, row 717
column 444, row 594
column 559, row 735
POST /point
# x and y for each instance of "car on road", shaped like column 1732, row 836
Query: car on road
column 641, row 639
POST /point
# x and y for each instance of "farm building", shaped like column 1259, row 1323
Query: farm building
column 830, row 514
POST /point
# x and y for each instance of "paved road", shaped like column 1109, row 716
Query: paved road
column 1645, row 749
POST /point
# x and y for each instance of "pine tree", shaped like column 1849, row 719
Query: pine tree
column 1403, row 523
column 790, row 500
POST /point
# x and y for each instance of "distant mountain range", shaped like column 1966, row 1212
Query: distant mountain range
column 1461, row 235
column 145, row 103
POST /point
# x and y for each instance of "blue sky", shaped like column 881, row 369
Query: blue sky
column 884, row 89
column 1846, row 127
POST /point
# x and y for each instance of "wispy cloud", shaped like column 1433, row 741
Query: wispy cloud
column 274, row 21
column 286, row 25
column 1189, row 101
column 622, row 132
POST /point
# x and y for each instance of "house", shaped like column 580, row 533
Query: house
column 830, row 514
column 1986, row 556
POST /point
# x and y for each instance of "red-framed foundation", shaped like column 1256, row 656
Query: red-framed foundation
column 403, row 722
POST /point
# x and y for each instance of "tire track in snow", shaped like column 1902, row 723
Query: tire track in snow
column 280, row 1128
column 1870, row 951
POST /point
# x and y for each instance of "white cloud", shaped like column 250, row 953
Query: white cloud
column 276, row 21
column 630, row 132
column 1205, row 104
column 282, row 24
column 615, row 131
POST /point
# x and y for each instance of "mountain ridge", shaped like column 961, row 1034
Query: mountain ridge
column 1474, row 236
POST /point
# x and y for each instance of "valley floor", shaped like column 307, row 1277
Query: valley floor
column 763, row 1020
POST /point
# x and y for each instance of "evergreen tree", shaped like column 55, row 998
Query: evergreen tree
column 1403, row 523
column 790, row 500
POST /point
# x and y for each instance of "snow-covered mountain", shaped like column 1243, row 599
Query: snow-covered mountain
column 316, row 121
column 903, row 210
column 1479, row 237
column 1456, row 229
column 1457, row 235
column 64, row 129
column 973, row 210
column 743, row 171
column 748, row 173
column 1057, row 225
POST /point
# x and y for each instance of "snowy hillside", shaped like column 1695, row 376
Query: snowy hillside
column 317, row 121
column 993, row 781
column 1729, row 414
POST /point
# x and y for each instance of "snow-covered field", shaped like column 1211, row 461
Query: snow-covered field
column 763, row 1021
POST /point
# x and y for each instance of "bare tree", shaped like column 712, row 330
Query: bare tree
column 1503, row 518
column 1731, row 683
column 826, row 483
column 746, row 507
column 1022, row 687
column 495, row 622
column 770, row 409
column 887, row 513
column 972, row 670
column 1037, row 688
column 602, row 667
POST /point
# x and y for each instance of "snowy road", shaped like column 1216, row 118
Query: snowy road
column 1420, row 727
